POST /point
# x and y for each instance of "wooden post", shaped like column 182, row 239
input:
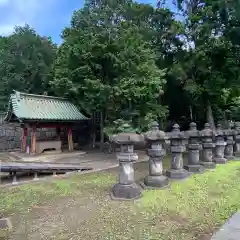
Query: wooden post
column 70, row 141
column 58, row 131
column 24, row 139
column 33, row 140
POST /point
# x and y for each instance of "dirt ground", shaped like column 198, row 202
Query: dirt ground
column 80, row 216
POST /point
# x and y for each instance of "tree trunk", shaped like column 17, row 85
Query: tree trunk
column 101, row 131
column 93, row 131
column 210, row 118
column 93, row 137
column 191, row 112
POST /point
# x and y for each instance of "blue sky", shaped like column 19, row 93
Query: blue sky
column 48, row 17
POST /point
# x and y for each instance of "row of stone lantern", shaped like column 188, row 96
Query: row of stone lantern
column 205, row 141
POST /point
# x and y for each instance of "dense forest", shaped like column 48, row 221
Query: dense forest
column 132, row 61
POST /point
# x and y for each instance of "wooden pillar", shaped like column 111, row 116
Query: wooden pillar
column 24, row 140
column 70, row 141
column 58, row 131
column 33, row 139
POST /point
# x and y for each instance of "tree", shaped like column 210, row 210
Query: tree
column 213, row 59
column 107, row 66
column 25, row 63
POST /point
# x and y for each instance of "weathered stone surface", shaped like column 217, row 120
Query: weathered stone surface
column 208, row 145
column 230, row 230
column 194, row 168
column 126, row 188
column 237, row 140
column 5, row 228
column 10, row 136
column 126, row 192
column 156, row 138
column 193, row 150
column 220, row 146
column 177, row 149
column 228, row 152
column 177, row 173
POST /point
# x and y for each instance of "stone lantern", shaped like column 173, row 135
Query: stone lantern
column 126, row 188
column 237, row 140
column 219, row 146
column 177, row 148
column 193, row 150
column 156, row 138
column 228, row 153
column 208, row 145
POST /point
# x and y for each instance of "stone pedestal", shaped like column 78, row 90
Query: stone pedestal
column 126, row 188
column 219, row 146
column 237, row 140
column 228, row 153
column 176, row 171
column 155, row 179
column 208, row 145
column 193, row 150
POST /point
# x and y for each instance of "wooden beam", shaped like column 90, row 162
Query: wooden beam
column 70, row 141
column 33, row 140
column 51, row 125
column 24, row 140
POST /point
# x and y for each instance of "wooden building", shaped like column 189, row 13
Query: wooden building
column 40, row 111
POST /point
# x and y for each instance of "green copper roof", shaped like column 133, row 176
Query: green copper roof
column 23, row 106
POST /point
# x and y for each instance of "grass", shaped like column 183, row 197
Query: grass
column 190, row 209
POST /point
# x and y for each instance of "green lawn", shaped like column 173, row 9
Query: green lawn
column 190, row 209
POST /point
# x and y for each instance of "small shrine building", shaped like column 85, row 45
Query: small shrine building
column 40, row 111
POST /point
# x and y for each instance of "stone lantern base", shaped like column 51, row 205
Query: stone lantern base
column 155, row 182
column 220, row 160
column 177, row 173
column 237, row 156
column 126, row 192
column 194, row 168
column 208, row 165
column 230, row 157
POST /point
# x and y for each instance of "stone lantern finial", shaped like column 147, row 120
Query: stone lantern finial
column 193, row 126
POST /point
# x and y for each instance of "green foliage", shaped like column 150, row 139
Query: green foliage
column 107, row 65
column 123, row 56
column 119, row 126
column 25, row 63
column 212, row 64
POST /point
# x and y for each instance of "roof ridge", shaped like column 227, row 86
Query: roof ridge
column 38, row 95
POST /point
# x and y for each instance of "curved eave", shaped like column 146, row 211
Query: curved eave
column 9, row 113
column 52, row 120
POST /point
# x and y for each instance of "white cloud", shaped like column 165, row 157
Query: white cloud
column 19, row 12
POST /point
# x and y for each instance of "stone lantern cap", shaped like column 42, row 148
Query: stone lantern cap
column 207, row 131
column 127, row 137
column 237, row 127
column 192, row 132
column 237, row 131
column 155, row 134
column 230, row 132
column 176, row 134
column 219, row 130
column 230, row 135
